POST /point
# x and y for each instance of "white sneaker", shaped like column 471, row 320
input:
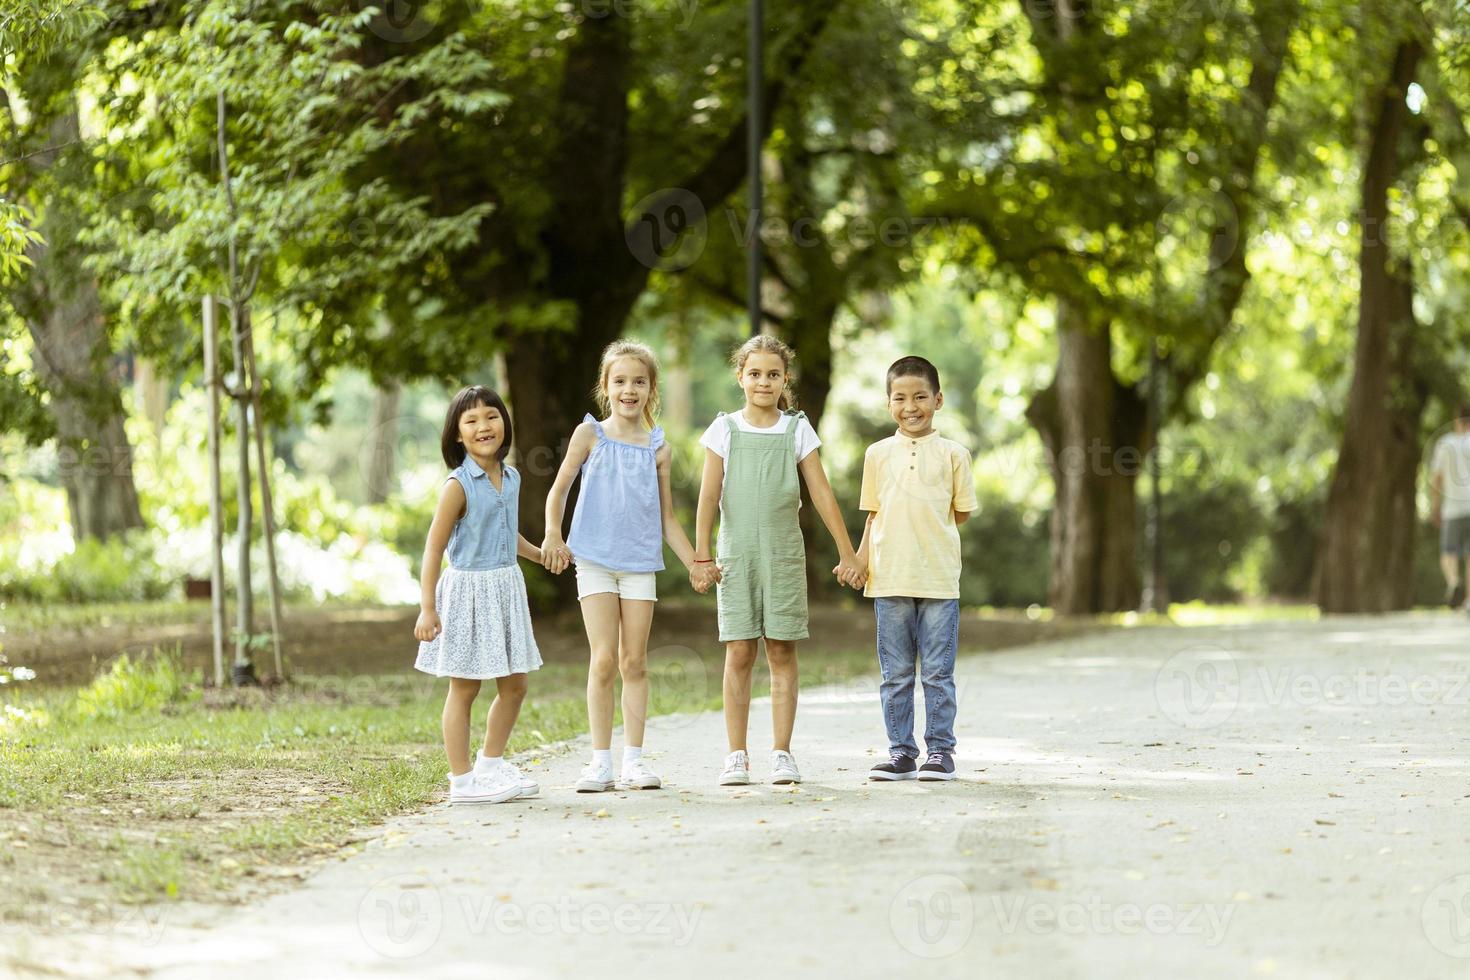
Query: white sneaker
column 783, row 768
column 529, row 787
column 595, row 779
column 637, row 775
column 737, row 770
column 484, row 789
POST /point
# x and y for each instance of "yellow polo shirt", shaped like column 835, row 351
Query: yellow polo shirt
column 915, row 486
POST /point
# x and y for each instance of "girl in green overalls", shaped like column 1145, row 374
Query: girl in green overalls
column 751, row 462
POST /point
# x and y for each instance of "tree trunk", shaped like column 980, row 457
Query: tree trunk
column 245, row 593
column 152, row 391
column 382, row 465
column 1366, row 559
column 1093, row 429
column 549, row 376
column 589, row 263
column 809, row 329
column 64, row 316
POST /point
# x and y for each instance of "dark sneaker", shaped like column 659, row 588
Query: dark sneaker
column 899, row 766
column 939, row 765
column 1456, row 597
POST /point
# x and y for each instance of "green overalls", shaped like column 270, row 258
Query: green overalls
column 762, row 591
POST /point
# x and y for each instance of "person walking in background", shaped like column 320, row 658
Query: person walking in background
column 1449, row 508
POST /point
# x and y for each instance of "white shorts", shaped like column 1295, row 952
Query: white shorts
column 592, row 579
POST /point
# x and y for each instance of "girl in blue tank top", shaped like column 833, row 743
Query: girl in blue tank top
column 625, row 510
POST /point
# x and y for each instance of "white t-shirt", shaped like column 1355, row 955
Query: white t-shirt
column 1452, row 462
column 717, row 436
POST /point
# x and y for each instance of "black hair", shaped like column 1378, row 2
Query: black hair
column 475, row 396
column 913, row 366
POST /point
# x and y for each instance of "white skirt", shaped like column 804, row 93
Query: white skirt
column 485, row 626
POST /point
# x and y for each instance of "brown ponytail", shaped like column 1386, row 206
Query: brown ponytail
column 766, row 344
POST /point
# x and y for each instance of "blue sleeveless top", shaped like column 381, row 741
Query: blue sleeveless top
column 619, row 522
column 485, row 537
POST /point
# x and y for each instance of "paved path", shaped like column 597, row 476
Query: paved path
column 1281, row 799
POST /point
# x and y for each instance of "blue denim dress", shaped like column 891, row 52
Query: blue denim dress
column 481, row 597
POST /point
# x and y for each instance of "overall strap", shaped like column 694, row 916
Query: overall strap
column 729, row 422
column 793, row 425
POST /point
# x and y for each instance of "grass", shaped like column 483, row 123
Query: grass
column 142, row 786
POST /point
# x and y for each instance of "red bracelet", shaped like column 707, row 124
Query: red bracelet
column 703, row 561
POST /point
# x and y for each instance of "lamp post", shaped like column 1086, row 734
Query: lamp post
column 755, row 77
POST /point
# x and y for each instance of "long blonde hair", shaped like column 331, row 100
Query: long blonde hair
column 765, row 343
column 644, row 353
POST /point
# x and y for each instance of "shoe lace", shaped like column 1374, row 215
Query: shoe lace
column 898, row 759
column 935, row 759
column 736, row 761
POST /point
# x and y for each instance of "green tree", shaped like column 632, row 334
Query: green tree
column 1110, row 164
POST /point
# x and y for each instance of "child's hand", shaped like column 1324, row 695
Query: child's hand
column 555, row 556
column 849, row 574
column 428, row 627
column 702, row 575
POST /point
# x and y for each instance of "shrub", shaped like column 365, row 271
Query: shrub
column 123, row 568
column 131, row 686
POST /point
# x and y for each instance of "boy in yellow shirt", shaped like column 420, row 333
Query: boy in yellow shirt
column 917, row 490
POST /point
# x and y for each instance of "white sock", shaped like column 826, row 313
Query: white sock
column 632, row 753
column 485, row 764
column 603, row 757
column 463, row 780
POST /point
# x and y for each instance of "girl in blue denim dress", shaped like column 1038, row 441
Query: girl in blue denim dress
column 474, row 622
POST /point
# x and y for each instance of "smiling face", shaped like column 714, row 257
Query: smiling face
column 628, row 386
column 912, row 403
column 762, row 377
column 482, row 431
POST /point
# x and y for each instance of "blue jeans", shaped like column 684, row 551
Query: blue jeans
column 922, row 634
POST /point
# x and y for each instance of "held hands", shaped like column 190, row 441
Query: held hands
column 555, row 555
column 427, row 628
column 703, row 575
column 852, row 572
